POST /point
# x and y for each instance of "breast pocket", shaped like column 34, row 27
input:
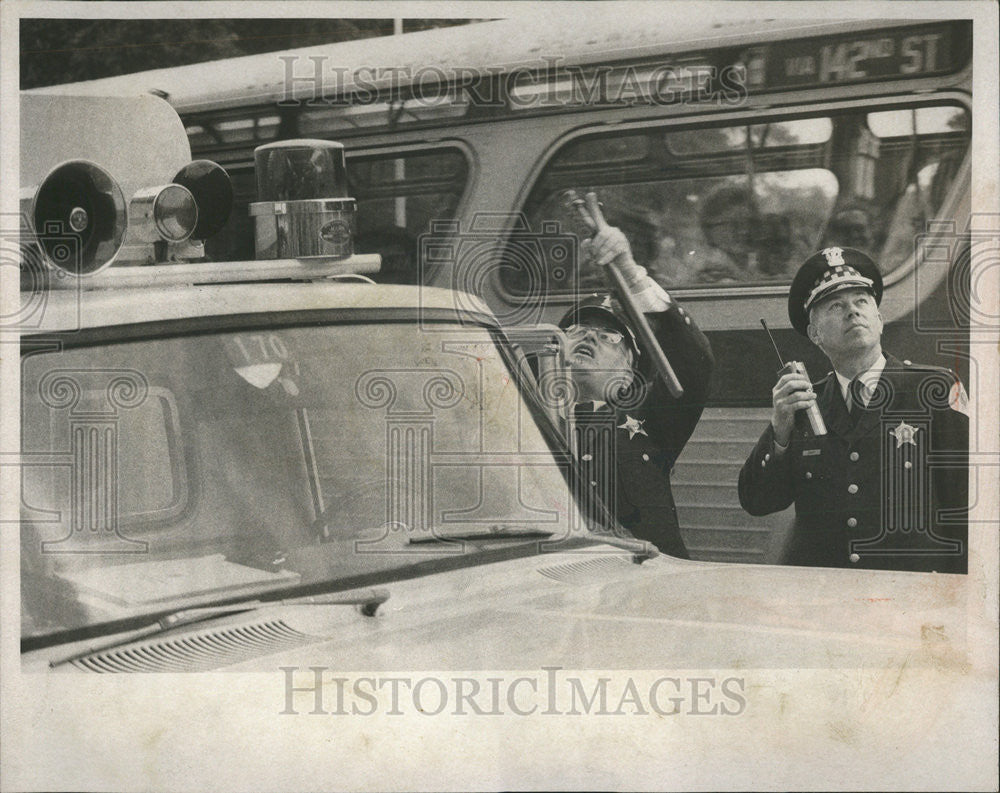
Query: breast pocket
column 815, row 475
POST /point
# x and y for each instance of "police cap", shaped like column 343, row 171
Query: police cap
column 605, row 309
column 829, row 271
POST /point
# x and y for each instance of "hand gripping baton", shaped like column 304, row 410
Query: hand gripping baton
column 590, row 212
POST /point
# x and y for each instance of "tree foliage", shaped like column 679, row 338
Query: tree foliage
column 57, row 51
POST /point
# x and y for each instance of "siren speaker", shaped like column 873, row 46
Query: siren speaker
column 78, row 216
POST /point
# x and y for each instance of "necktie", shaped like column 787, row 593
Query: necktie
column 855, row 400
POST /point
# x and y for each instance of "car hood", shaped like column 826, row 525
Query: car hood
column 596, row 609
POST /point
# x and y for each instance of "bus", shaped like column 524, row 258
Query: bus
column 726, row 150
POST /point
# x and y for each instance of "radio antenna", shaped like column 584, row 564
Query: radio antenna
column 773, row 343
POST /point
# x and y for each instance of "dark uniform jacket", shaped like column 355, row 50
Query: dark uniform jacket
column 626, row 452
column 888, row 492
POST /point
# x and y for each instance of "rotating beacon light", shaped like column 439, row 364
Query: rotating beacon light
column 303, row 209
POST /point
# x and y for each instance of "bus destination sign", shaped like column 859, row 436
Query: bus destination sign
column 918, row 51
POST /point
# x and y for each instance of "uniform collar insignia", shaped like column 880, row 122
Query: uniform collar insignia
column 633, row 426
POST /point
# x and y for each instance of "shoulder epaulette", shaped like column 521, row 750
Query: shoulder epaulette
column 926, row 367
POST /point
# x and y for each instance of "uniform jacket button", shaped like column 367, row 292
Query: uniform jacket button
column 852, row 489
column 587, row 457
column 852, row 522
column 854, row 558
column 907, row 465
column 809, row 474
column 854, row 457
column 645, row 458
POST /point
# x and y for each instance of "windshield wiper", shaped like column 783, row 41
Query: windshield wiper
column 641, row 550
column 368, row 599
column 493, row 532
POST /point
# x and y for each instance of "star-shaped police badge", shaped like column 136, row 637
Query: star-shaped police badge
column 904, row 433
column 634, row 426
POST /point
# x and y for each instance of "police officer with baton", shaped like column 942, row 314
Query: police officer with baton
column 632, row 415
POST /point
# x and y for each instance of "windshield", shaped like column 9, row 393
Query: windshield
column 172, row 471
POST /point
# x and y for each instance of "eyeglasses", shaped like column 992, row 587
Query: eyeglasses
column 604, row 334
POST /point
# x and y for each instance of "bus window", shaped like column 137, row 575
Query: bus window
column 398, row 196
column 745, row 204
column 429, row 106
column 629, row 148
column 215, row 133
column 714, row 229
column 920, row 151
column 778, row 133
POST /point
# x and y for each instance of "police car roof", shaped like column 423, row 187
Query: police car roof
column 69, row 309
column 531, row 41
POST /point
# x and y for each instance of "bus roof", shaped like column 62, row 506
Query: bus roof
column 540, row 39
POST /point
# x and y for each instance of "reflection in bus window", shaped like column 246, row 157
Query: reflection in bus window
column 714, row 230
column 745, row 204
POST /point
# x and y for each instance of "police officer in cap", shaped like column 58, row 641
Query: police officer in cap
column 886, row 486
column 628, row 429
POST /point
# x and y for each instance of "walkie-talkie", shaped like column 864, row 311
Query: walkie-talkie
column 816, row 423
